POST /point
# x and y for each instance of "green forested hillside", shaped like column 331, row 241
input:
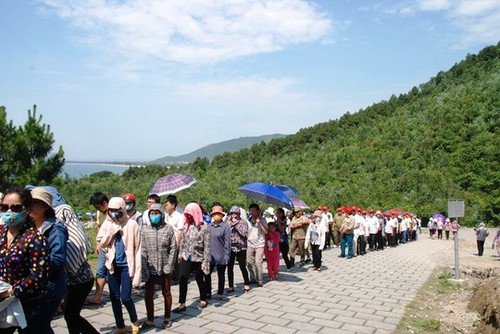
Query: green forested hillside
column 413, row 151
column 211, row 150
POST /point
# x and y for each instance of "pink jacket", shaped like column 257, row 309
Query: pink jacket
column 131, row 236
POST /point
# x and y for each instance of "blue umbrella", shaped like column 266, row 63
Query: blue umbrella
column 288, row 190
column 267, row 193
column 57, row 198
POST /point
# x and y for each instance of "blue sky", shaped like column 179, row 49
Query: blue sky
column 142, row 79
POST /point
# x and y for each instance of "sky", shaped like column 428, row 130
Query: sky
column 137, row 80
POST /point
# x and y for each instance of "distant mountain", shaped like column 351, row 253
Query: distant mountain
column 212, row 150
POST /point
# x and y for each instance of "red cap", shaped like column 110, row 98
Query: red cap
column 129, row 197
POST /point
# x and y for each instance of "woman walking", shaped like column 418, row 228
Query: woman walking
column 194, row 255
column 481, row 234
column 158, row 252
column 315, row 239
column 239, row 234
column 220, row 247
column 24, row 268
column 56, row 234
column 79, row 276
column 282, row 225
column 121, row 240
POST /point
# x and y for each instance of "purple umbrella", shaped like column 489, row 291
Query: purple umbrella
column 172, row 183
column 439, row 216
column 299, row 204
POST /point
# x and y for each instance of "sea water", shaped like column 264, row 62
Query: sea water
column 77, row 170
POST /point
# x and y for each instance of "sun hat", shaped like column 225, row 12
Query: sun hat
column 317, row 213
column 42, row 195
column 156, row 207
column 270, row 211
column 235, row 209
column 217, row 209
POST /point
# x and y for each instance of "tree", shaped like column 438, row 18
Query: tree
column 26, row 152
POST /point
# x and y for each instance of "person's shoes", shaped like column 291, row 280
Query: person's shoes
column 119, row 331
column 319, row 269
column 229, row 290
column 349, row 257
column 341, row 256
column 260, row 285
column 136, row 327
column 92, row 302
column 308, row 260
column 202, row 304
column 246, row 288
column 179, row 309
column 167, row 323
column 218, row 297
column 146, row 325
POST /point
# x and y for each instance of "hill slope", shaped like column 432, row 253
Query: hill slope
column 414, row 151
column 210, row 151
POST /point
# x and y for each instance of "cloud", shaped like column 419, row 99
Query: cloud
column 476, row 21
column 196, row 31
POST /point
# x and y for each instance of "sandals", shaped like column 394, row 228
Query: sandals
column 167, row 323
column 202, row 304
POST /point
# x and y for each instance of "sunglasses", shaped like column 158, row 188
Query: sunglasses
column 13, row 207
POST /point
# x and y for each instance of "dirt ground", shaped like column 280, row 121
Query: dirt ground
column 468, row 305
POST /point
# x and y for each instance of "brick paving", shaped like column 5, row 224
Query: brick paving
column 366, row 294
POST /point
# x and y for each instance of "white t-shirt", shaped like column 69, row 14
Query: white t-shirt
column 373, row 225
column 176, row 220
column 256, row 237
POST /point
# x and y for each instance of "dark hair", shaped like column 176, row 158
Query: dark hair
column 281, row 210
column 154, row 197
column 172, row 199
column 254, row 206
column 98, row 199
column 271, row 224
column 24, row 195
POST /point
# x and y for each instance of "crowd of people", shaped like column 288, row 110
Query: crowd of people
column 44, row 248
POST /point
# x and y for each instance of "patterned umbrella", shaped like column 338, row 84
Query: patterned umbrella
column 299, row 204
column 172, row 183
column 267, row 194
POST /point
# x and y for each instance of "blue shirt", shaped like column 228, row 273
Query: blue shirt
column 220, row 243
column 120, row 257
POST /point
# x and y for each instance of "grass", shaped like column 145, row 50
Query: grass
column 420, row 316
column 92, row 258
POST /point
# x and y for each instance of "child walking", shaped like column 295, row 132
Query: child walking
column 272, row 252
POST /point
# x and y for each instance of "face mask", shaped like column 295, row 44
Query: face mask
column 155, row 219
column 13, row 219
column 116, row 215
column 129, row 207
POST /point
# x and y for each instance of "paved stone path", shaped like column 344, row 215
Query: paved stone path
column 366, row 294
